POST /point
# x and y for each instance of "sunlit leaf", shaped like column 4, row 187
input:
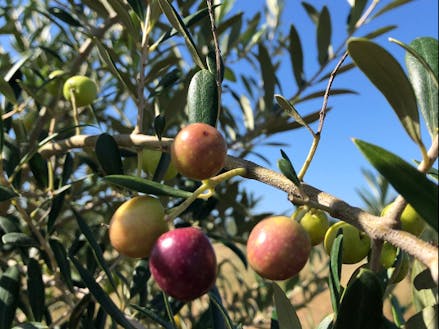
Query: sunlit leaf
column 289, row 108
column 287, row 169
column 286, row 314
column 413, row 185
column 335, row 262
column 422, row 64
column 387, row 75
column 177, row 22
column 18, row 239
column 425, row 319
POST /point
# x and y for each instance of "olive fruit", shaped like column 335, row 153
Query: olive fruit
column 278, row 247
column 136, row 225
column 356, row 244
column 183, row 263
column 199, row 151
column 411, row 221
column 83, row 88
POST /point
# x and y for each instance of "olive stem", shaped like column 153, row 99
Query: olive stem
column 207, row 185
column 75, row 111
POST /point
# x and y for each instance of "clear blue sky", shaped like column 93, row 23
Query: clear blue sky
column 337, row 166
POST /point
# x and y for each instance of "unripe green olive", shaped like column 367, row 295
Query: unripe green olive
column 356, row 244
column 315, row 222
column 411, row 221
column 83, row 88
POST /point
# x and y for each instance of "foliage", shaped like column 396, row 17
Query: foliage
column 59, row 188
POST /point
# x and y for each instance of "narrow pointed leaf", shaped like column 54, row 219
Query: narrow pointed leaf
column 423, row 73
column 321, row 93
column 145, row 186
column 268, row 75
column 380, row 31
column 7, row 91
column 220, row 316
column 35, row 289
column 18, row 239
column 355, row 14
column 413, row 185
column 139, row 7
column 387, row 75
column 108, row 154
column 390, row 6
column 296, row 56
column 106, row 58
column 286, row 314
column 122, row 12
column 62, row 261
column 101, row 296
column 97, row 251
column 38, row 166
column 335, row 262
column 6, row 193
column 64, row 16
column 286, row 167
column 9, row 295
column 177, row 22
column 324, row 32
column 362, row 303
column 289, row 108
column 311, row 11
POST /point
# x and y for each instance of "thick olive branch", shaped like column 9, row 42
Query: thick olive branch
column 379, row 228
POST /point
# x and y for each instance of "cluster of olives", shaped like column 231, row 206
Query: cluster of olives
column 182, row 260
column 278, row 247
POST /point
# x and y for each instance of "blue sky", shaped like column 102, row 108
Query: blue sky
column 337, row 165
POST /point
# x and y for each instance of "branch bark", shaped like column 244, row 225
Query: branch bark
column 380, row 228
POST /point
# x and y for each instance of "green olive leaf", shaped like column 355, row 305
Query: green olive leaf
column 382, row 69
column 101, row 296
column 35, row 289
column 108, row 154
column 286, row 167
column 324, row 32
column 6, row 193
column 296, row 56
column 362, row 303
column 422, row 63
column 178, row 23
column 145, row 186
column 9, row 295
column 286, row 314
column 413, row 185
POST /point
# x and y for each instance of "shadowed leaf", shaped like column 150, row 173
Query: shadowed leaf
column 286, row 314
column 324, row 32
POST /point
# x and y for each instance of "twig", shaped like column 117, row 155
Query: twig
column 217, row 54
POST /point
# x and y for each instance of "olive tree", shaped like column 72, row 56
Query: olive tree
column 93, row 94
